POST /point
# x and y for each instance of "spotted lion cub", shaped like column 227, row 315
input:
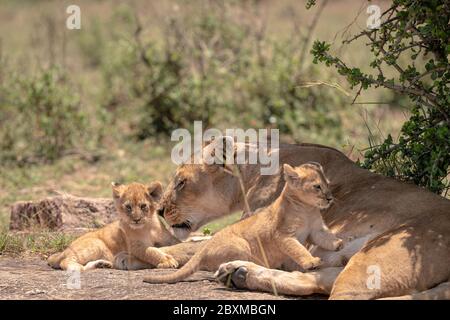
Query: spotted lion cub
column 128, row 243
column 276, row 233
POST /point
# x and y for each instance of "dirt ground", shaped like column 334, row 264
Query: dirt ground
column 31, row 278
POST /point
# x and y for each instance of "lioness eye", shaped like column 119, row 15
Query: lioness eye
column 143, row 207
column 317, row 187
column 180, row 184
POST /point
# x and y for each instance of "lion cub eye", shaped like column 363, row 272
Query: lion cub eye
column 317, row 187
column 128, row 208
column 144, row 207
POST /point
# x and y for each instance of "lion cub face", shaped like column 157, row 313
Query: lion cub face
column 309, row 183
column 135, row 202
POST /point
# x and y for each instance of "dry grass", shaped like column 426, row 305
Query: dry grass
column 43, row 243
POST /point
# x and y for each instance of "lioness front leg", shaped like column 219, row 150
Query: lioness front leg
column 248, row 275
column 297, row 252
column 154, row 256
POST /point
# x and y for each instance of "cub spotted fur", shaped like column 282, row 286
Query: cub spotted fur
column 135, row 235
column 271, row 236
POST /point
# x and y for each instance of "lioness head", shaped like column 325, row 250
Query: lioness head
column 199, row 193
column 309, row 184
column 135, row 202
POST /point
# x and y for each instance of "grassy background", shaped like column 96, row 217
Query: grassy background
column 33, row 38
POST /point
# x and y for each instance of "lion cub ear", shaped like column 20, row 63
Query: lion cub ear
column 155, row 190
column 289, row 173
column 117, row 189
column 316, row 164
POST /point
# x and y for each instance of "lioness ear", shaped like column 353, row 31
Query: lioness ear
column 289, row 173
column 219, row 152
column 155, row 190
column 117, row 189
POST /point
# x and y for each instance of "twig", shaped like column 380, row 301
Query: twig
column 311, row 28
column 307, row 84
column 266, row 262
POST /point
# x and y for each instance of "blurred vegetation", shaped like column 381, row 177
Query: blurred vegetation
column 40, row 119
column 413, row 41
column 212, row 66
column 219, row 69
column 43, row 243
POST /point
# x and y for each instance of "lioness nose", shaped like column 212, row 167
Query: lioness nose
column 161, row 211
column 329, row 197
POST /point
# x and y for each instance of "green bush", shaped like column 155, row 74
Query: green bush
column 410, row 56
column 223, row 71
column 41, row 118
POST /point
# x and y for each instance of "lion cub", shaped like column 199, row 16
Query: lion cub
column 133, row 236
column 275, row 233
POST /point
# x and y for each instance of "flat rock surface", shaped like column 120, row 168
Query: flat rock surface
column 31, row 278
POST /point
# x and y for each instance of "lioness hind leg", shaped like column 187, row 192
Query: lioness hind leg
column 440, row 292
column 248, row 275
column 399, row 262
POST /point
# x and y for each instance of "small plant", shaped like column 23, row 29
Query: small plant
column 41, row 117
column 206, row 231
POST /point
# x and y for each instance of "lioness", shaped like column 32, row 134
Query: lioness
column 401, row 232
column 270, row 237
column 134, row 236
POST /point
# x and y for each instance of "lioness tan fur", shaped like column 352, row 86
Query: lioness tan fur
column 401, row 232
column 271, row 236
column 128, row 243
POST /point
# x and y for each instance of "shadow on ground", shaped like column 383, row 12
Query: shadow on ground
column 31, row 278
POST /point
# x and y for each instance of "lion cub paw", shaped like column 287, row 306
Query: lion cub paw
column 104, row 264
column 167, row 262
column 312, row 263
column 338, row 244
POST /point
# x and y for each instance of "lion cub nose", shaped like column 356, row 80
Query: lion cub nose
column 137, row 219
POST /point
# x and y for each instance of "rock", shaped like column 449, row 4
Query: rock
column 62, row 212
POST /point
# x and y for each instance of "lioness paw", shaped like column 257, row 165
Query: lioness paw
column 233, row 274
column 167, row 262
